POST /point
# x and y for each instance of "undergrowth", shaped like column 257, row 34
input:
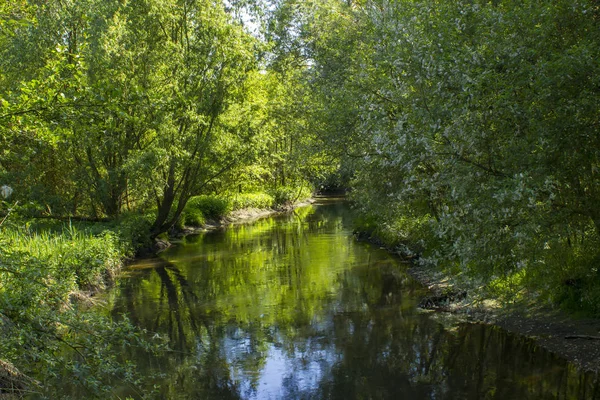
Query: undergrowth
column 48, row 272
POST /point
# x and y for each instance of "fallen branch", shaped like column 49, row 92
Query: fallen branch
column 8, row 213
column 588, row 337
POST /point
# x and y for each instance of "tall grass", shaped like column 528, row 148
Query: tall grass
column 46, row 332
column 72, row 259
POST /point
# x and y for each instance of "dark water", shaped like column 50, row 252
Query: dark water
column 294, row 308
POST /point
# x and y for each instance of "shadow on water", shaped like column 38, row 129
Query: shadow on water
column 293, row 307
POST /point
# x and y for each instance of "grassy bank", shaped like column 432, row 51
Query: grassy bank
column 49, row 270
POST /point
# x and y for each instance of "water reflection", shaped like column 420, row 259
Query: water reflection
column 294, row 308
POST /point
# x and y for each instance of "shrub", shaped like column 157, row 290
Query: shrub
column 193, row 217
column 286, row 195
column 251, row 200
column 212, row 207
column 134, row 230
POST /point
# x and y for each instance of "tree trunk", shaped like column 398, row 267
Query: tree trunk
column 167, row 202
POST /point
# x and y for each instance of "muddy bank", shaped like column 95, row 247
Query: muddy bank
column 577, row 340
column 574, row 339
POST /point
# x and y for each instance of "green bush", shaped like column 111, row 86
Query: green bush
column 251, row 200
column 134, row 230
column 286, row 195
column 574, row 284
column 193, row 217
column 365, row 223
column 211, row 207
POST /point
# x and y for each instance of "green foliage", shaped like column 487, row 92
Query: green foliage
column 45, row 280
column 211, row 207
column 192, row 217
column 287, row 195
column 74, row 259
column 575, row 286
column 251, row 200
column 407, row 235
column 134, row 230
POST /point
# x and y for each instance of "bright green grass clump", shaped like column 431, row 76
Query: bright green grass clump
column 60, row 262
column 251, row 200
column 211, row 206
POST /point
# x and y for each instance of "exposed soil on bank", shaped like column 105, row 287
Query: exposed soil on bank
column 577, row 340
column 574, row 339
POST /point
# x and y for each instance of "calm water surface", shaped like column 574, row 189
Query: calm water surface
column 293, row 307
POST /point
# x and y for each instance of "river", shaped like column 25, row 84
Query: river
column 293, row 307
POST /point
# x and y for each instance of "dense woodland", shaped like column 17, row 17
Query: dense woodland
column 467, row 134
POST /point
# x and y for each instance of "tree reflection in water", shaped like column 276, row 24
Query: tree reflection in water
column 293, row 307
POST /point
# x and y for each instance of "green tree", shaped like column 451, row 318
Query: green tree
column 479, row 120
column 132, row 97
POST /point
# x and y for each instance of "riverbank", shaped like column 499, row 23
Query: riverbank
column 577, row 340
column 574, row 339
column 47, row 279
